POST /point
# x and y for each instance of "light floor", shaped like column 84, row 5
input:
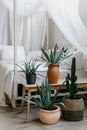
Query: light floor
column 17, row 121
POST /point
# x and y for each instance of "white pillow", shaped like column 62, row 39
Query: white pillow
column 34, row 55
column 7, row 52
column 79, row 60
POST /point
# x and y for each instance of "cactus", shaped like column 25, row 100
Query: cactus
column 71, row 79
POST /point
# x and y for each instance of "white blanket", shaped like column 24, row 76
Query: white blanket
column 6, row 83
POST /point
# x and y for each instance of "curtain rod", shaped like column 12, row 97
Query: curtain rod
column 15, row 34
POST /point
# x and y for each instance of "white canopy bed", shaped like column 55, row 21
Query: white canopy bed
column 30, row 27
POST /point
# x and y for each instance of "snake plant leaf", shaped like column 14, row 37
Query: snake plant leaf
column 55, row 55
column 51, row 56
column 46, row 54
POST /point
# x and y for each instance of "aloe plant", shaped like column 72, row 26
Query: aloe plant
column 71, row 79
column 44, row 100
column 54, row 56
column 29, row 67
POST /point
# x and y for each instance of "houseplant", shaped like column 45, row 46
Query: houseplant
column 48, row 113
column 29, row 68
column 53, row 58
column 74, row 105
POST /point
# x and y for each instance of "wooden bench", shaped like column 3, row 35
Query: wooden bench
column 82, row 83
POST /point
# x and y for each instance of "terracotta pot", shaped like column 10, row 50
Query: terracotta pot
column 53, row 73
column 50, row 116
column 74, row 109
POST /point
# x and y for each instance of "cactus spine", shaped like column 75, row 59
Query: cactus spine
column 71, row 80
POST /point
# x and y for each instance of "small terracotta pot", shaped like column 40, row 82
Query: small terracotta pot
column 50, row 116
column 53, row 73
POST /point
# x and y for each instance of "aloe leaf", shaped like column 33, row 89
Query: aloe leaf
column 59, row 53
column 46, row 54
column 65, row 57
column 37, row 101
column 50, row 56
column 54, row 98
column 21, row 68
column 37, row 67
column 55, row 50
column 38, row 89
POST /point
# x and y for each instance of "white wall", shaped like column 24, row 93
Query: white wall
column 83, row 11
column 55, row 35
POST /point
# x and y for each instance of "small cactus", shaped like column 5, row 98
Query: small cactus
column 71, row 79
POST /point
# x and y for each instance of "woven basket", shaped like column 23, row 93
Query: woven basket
column 74, row 109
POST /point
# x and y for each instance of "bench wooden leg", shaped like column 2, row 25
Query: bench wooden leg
column 28, row 104
column 23, row 96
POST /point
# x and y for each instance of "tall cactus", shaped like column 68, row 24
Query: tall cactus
column 71, row 80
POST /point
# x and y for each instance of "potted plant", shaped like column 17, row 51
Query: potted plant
column 49, row 113
column 53, row 58
column 29, row 68
column 74, row 105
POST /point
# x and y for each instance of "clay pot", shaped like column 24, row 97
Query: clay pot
column 74, row 109
column 50, row 116
column 53, row 73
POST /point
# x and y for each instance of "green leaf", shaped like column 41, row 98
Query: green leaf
column 29, row 67
column 46, row 54
column 55, row 55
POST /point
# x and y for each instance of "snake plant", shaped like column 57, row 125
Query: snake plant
column 29, row 67
column 54, row 56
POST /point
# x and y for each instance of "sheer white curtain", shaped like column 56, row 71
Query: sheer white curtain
column 31, row 21
column 4, row 25
column 65, row 13
column 24, row 7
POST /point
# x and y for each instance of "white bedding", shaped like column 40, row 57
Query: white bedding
column 7, row 81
